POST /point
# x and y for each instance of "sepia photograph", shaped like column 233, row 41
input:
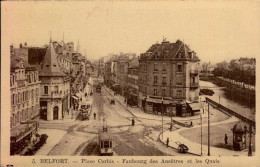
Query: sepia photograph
column 150, row 82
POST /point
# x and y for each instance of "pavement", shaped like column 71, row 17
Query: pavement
column 54, row 136
column 195, row 148
column 139, row 113
column 175, row 137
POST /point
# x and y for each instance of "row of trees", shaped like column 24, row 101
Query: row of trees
column 233, row 72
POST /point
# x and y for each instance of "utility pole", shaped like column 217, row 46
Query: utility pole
column 201, row 132
column 162, row 117
column 250, row 136
column 208, row 132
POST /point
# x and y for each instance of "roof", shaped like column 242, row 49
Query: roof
column 168, row 50
column 238, row 127
column 50, row 63
column 194, row 106
column 104, row 136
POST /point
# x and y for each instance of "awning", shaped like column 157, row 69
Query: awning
column 21, row 131
column 74, row 97
column 153, row 100
column 194, row 106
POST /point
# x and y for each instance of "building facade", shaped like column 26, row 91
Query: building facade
column 25, row 97
column 55, row 87
column 168, row 78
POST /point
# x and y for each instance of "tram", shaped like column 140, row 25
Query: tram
column 98, row 89
column 85, row 109
column 105, row 142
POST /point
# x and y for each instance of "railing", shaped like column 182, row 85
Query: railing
column 182, row 124
column 223, row 108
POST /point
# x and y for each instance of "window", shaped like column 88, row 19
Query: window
column 24, row 98
column 193, row 79
column 163, row 92
column 179, row 55
column 179, row 68
column 46, row 90
column 26, row 94
column 179, row 80
column 179, row 93
column 37, row 92
column 164, row 80
column 155, row 79
column 32, row 93
column 12, row 99
column 18, row 98
column 164, row 67
column 106, row 144
column 155, row 92
column 56, row 89
column 18, row 117
column 155, row 67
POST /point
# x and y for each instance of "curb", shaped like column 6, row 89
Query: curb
column 143, row 117
column 159, row 138
column 61, row 121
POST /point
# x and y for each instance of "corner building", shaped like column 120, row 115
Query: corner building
column 168, row 79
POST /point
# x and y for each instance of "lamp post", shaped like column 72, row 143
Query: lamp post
column 208, row 132
column 202, row 106
column 245, row 129
column 162, row 117
column 250, row 136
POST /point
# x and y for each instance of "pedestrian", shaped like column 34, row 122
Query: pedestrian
column 167, row 142
column 133, row 122
column 226, row 139
column 94, row 115
column 191, row 124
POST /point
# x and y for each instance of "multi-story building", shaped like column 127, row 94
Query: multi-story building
column 24, row 89
column 110, row 71
column 132, row 82
column 168, row 78
column 55, row 87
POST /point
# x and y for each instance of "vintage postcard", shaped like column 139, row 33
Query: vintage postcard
column 147, row 83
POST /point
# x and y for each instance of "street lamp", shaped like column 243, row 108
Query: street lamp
column 250, row 136
column 208, row 131
column 162, row 117
column 245, row 129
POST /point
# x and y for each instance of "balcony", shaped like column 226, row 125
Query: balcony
column 194, row 72
column 57, row 94
column 194, row 85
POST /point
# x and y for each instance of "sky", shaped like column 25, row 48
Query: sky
column 217, row 31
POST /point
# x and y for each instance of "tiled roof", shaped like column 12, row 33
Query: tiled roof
column 50, row 63
column 167, row 50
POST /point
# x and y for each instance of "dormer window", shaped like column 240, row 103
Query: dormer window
column 179, row 55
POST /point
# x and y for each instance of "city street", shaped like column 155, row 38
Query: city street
column 82, row 136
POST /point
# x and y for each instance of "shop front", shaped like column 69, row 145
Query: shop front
column 21, row 135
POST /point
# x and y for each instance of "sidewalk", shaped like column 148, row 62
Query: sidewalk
column 54, row 136
column 139, row 113
column 61, row 121
column 195, row 148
